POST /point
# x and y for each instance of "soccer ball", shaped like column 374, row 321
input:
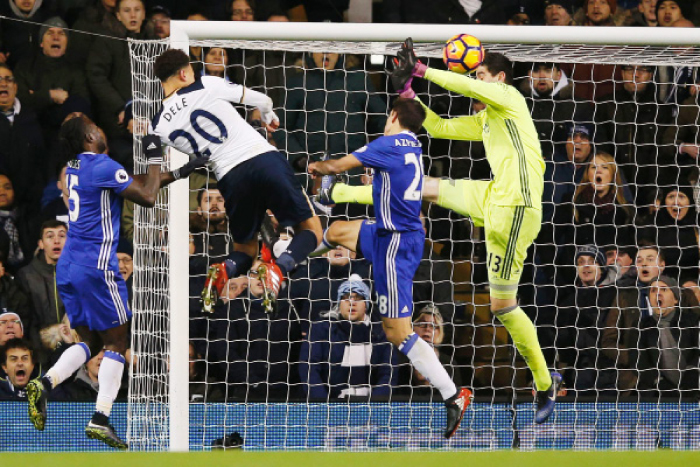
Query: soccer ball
column 463, row 53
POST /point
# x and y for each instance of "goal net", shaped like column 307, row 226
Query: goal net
column 618, row 128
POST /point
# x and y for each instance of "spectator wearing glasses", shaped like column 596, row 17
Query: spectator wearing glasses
column 10, row 326
column 429, row 325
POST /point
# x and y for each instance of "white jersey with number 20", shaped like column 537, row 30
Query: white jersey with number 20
column 200, row 120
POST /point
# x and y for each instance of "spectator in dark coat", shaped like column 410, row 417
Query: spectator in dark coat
column 84, row 385
column 97, row 19
column 329, row 109
column 12, row 298
column 346, row 354
column 19, row 31
column 38, row 279
column 600, row 204
column 563, row 173
column 631, row 124
column 254, row 352
column 109, row 77
column 669, row 348
column 314, row 286
column 674, row 228
column 47, row 83
column 600, row 213
column 620, row 338
column 21, row 143
column 16, row 226
column 550, row 97
column 581, row 312
column 19, row 367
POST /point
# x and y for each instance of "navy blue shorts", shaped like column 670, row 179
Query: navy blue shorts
column 264, row 182
column 94, row 298
column 395, row 257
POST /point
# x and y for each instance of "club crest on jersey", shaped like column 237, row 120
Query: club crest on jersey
column 121, row 176
column 486, row 128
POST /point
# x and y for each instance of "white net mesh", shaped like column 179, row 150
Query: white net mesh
column 629, row 359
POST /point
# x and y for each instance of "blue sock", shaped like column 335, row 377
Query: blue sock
column 238, row 263
column 298, row 250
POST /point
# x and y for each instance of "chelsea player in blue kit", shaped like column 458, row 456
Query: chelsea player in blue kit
column 394, row 242
column 87, row 274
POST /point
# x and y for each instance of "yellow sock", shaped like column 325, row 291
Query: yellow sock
column 525, row 339
column 343, row 193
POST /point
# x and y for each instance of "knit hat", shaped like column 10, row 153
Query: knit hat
column 353, row 284
column 10, row 315
column 580, row 128
column 590, row 250
column 682, row 5
column 54, row 22
column 568, row 5
column 124, row 246
column 671, row 283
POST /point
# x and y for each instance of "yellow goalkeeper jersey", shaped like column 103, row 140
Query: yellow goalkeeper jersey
column 507, row 130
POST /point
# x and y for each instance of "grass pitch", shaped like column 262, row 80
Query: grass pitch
column 661, row 458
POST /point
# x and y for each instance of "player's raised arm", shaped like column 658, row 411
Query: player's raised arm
column 494, row 92
column 144, row 189
column 239, row 94
column 334, row 166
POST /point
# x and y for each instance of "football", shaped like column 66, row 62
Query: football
column 463, row 53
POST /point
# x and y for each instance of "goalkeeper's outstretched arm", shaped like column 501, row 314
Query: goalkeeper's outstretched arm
column 493, row 94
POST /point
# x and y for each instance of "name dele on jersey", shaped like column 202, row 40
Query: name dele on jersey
column 170, row 112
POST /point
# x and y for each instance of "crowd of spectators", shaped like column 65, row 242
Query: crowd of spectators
column 612, row 282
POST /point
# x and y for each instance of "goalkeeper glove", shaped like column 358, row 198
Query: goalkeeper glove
column 153, row 149
column 401, row 80
column 188, row 168
column 408, row 60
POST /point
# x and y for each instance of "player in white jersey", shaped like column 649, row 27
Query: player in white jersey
column 198, row 118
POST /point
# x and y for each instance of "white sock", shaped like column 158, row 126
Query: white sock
column 424, row 359
column 109, row 379
column 68, row 363
column 324, row 247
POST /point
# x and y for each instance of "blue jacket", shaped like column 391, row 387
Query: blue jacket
column 328, row 366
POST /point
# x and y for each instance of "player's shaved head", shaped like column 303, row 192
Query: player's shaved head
column 169, row 63
column 496, row 63
column 410, row 112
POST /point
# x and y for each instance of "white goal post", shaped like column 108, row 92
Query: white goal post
column 612, row 45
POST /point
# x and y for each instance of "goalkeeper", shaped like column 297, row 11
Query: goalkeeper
column 508, row 207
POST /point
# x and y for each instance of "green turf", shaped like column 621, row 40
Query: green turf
column 662, row 458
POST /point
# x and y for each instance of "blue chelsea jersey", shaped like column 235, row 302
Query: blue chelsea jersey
column 94, row 182
column 397, row 187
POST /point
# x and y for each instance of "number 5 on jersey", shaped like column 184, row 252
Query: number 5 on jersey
column 73, row 198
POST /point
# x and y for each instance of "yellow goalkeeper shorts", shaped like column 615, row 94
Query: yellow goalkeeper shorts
column 509, row 230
